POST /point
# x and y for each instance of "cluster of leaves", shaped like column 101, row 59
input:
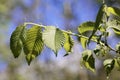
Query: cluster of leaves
column 100, row 31
column 32, row 40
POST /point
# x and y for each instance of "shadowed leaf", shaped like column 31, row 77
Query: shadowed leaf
column 16, row 40
column 33, row 44
column 88, row 60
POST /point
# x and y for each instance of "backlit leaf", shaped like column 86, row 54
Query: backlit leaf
column 68, row 43
column 16, row 40
column 83, row 42
column 53, row 38
column 114, row 11
column 87, row 26
column 88, row 60
column 33, row 44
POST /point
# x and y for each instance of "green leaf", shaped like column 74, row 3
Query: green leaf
column 116, row 30
column 29, row 58
column 101, row 51
column 68, row 43
column 113, row 10
column 33, row 44
column 109, row 65
column 16, row 40
column 117, row 63
column 98, row 21
column 87, row 26
column 53, row 38
column 88, row 60
column 83, row 42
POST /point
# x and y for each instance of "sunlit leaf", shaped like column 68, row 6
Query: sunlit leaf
column 68, row 43
column 88, row 60
column 87, row 26
column 16, row 40
column 114, row 11
column 98, row 21
column 30, row 57
column 53, row 38
column 109, row 65
column 83, row 42
column 33, row 44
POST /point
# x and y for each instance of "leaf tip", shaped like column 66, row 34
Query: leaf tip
column 66, row 54
column 29, row 58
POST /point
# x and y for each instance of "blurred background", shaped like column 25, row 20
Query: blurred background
column 64, row 14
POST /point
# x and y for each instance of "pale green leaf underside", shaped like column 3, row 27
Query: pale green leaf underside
column 33, row 44
column 16, row 40
column 53, row 38
column 68, row 43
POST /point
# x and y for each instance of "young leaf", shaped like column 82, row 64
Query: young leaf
column 53, row 38
column 33, row 44
column 68, row 43
column 88, row 60
column 87, row 26
column 16, row 40
column 109, row 65
column 98, row 21
column 113, row 10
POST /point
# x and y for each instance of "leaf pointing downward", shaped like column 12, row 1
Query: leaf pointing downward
column 33, row 44
column 16, row 40
column 88, row 60
column 68, row 43
column 53, row 38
